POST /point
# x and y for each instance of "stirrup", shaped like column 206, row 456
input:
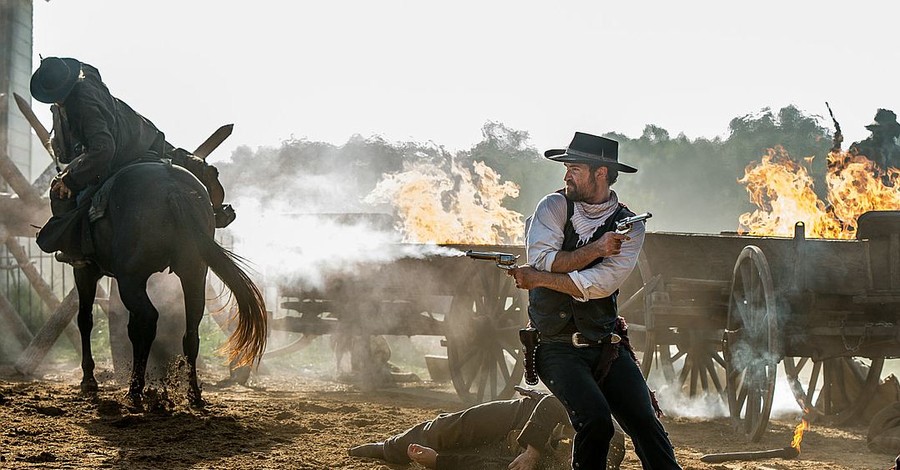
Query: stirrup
column 224, row 215
column 74, row 260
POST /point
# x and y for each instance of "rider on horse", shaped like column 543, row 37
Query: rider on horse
column 97, row 134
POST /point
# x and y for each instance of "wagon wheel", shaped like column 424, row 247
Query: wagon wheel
column 750, row 344
column 693, row 362
column 835, row 388
column 691, row 359
column 650, row 350
column 656, row 355
column 482, row 326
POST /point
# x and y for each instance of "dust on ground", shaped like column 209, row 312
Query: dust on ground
column 309, row 424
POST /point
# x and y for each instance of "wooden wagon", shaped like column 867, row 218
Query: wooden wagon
column 717, row 313
column 473, row 305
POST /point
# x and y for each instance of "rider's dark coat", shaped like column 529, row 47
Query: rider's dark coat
column 111, row 134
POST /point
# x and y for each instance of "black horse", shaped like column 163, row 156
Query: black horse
column 159, row 216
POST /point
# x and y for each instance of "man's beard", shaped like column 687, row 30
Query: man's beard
column 573, row 194
column 576, row 194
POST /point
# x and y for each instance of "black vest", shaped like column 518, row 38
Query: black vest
column 554, row 312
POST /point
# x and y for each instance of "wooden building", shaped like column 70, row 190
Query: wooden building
column 15, row 74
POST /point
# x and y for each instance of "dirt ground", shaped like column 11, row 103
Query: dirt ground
column 307, row 424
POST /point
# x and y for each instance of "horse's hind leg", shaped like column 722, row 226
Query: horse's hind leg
column 141, row 329
column 194, row 286
column 86, row 282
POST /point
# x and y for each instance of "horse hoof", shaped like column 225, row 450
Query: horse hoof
column 195, row 400
column 198, row 403
column 135, row 399
column 89, row 386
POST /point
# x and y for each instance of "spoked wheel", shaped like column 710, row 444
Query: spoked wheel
column 691, row 359
column 658, row 356
column 693, row 362
column 834, row 388
column 750, row 346
column 483, row 349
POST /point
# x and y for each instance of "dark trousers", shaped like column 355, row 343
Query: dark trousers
column 465, row 431
column 568, row 372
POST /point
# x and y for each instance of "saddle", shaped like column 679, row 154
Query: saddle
column 69, row 229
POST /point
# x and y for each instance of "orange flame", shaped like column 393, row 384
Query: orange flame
column 451, row 204
column 782, row 190
column 798, row 432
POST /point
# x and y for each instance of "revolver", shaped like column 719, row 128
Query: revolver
column 503, row 260
column 624, row 226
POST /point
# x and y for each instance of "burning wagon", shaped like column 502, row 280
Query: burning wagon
column 717, row 313
column 476, row 308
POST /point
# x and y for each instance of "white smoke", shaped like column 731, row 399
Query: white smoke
column 308, row 249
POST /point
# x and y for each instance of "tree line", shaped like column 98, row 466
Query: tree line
column 688, row 184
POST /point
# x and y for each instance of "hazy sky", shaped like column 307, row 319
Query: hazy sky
column 437, row 71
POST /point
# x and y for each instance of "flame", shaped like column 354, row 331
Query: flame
column 782, row 190
column 451, row 204
column 798, row 432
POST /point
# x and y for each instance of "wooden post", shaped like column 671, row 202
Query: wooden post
column 10, row 172
column 42, row 183
column 35, row 353
column 8, row 313
column 41, row 287
column 13, row 323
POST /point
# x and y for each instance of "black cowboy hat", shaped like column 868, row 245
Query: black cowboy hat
column 884, row 119
column 54, row 79
column 591, row 149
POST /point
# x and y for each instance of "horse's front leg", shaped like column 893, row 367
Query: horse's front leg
column 86, row 283
column 142, row 320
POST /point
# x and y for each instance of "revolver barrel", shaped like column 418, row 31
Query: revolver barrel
column 624, row 225
column 503, row 260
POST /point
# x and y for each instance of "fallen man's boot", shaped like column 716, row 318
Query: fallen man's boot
column 224, row 215
column 373, row 450
column 76, row 260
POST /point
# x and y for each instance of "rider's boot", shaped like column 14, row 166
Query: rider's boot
column 224, row 213
column 77, row 260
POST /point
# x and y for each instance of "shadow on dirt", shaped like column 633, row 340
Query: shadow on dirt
column 182, row 439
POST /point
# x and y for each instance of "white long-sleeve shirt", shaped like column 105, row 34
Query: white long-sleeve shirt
column 544, row 239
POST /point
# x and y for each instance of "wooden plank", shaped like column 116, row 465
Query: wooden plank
column 648, row 287
column 850, row 332
column 692, row 318
column 44, row 291
column 894, row 261
column 880, row 297
column 697, row 284
column 40, row 345
column 16, row 180
column 837, row 266
column 37, row 350
column 13, row 323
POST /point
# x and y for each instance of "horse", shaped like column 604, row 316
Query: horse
column 159, row 216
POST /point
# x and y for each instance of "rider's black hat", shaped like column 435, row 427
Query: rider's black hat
column 885, row 120
column 593, row 150
column 54, row 79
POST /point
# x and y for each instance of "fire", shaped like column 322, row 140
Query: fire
column 782, row 190
column 451, row 204
column 798, row 432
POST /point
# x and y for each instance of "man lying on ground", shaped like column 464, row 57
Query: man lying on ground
column 527, row 433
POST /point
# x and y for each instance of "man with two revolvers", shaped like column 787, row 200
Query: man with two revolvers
column 576, row 263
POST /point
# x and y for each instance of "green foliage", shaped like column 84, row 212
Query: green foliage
column 689, row 184
column 508, row 152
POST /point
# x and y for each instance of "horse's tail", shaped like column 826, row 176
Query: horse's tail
column 247, row 342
